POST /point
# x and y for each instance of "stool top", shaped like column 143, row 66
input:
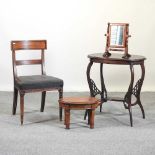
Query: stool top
column 79, row 100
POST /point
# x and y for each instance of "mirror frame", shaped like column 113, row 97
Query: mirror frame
column 121, row 48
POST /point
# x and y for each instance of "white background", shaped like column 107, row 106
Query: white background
column 73, row 29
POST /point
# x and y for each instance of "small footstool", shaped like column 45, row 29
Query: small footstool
column 79, row 103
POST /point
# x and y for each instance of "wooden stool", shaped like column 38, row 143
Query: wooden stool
column 79, row 103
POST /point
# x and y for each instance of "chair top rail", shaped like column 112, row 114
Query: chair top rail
column 28, row 44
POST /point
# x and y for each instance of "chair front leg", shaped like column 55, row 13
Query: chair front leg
column 15, row 97
column 43, row 101
column 22, row 107
column 60, row 107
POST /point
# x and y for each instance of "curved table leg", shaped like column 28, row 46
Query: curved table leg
column 141, row 83
column 137, row 89
column 88, row 78
column 103, row 89
column 141, row 107
column 89, row 83
column 93, row 88
column 129, row 94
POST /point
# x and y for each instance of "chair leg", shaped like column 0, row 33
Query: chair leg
column 43, row 101
column 21, row 107
column 60, row 108
column 15, row 97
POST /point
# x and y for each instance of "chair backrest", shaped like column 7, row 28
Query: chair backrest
column 19, row 45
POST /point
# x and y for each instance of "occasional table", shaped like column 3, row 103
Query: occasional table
column 79, row 103
column 116, row 59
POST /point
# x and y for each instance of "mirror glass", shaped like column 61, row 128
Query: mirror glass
column 116, row 35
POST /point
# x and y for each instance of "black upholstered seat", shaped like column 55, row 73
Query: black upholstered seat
column 38, row 82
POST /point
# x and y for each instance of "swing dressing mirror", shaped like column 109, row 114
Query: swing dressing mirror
column 117, row 39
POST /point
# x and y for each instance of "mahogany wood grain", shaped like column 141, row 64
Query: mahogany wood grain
column 79, row 103
column 29, row 62
column 30, row 46
column 133, row 90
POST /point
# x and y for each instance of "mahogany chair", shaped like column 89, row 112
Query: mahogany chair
column 32, row 83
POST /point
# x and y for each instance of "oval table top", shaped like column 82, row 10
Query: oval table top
column 116, row 57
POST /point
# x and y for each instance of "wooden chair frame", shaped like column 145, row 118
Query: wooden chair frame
column 17, row 46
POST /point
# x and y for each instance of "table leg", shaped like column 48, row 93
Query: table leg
column 93, row 88
column 90, row 85
column 138, row 97
column 103, row 88
column 137, row 89
column 141, row 107
column 129, row 94
column 88, row 78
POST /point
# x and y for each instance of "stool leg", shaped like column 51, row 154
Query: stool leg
column 67, row 118
column 92, row 114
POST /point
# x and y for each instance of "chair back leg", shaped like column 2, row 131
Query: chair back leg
column 15, row 97
column 60, row 108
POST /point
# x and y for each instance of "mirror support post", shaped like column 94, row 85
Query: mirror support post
column 106, row 53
